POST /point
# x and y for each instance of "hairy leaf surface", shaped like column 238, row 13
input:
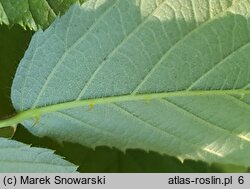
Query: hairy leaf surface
column 33, row 14
column 164, row 75
column 18, row 157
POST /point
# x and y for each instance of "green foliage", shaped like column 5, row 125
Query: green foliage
column 168, row 76
column 107, row 160
column 33, row 14
column 193, row 73
column 17, row 157
column 14, row 42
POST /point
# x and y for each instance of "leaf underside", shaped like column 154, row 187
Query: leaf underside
column 33, row 14
column 17, row 157
column 110, row 48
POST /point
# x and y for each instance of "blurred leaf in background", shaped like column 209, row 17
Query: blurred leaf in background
column 33, row 14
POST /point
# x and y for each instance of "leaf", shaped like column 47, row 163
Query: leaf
column 33, row 14
column 107, row 160
column 160, row 75
column 18, row 157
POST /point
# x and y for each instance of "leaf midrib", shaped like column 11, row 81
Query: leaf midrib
column 38, row 111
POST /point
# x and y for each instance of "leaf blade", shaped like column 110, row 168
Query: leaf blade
column 18, row 157
column 164, row 49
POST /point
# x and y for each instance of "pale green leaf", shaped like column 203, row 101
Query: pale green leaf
column 33, row 14
column 18, row 157
column 164, row 75
column 104, row 159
